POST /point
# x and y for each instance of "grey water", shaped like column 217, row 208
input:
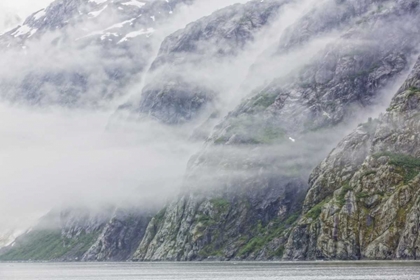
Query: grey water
column 226, row 271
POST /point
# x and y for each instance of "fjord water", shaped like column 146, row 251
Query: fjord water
column 225, row 271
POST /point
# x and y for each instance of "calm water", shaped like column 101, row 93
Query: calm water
column 229, row 271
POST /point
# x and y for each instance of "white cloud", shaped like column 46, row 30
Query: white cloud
column 13, row 12
column 24, row 7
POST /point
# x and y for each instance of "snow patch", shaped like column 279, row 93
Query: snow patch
column 97, row 1
column 24, row 29
column 97, row 13
column 108, row 34
column 39, row 14
column 134, row 3
column 101, row 32
column 134, row 34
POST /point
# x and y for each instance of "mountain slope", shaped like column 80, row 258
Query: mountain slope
column 102, row 38
column 244, row 188
column 363, row 201
column 78, row 234
column 181, row 89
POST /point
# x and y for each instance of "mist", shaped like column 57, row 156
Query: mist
column 10, row 9
column 56, row 156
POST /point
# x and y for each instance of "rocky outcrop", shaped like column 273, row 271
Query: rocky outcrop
column 232, row 226
column 120, row 237
column 363, row 200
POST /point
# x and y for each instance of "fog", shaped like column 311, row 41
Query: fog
column 21, row 8
column 56, row 154
column 55, row 158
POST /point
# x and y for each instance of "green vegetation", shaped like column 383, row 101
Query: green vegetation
column 264, row 100
column 215, row 247
column 315, row 212
column 253, row 245
column 409, row 164
column 368, row 173
column 413, row 91
column 160, row 217
column 266, row 234
column 292, row 219
column 401, row 217
column 221, row 204
column 362, row 195
column 209, row 250
column 49, row 245
column 341, row 197
column 205, row 220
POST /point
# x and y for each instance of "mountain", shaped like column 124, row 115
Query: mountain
column 363, row 198
column 272, row 86
column 260, row 155
column 108, row 34
column 178, row 93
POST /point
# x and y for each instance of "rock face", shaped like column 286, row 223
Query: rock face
column 120, row 237
column 179, row 90
column 232, row 226
column 363, row 200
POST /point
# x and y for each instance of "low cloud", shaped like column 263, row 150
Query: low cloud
column 55, row 157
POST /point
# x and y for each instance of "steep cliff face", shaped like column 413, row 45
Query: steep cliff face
column 231, row 226
column 363, row 201
column 253, row 168
column 181, row 87
column 120, row 237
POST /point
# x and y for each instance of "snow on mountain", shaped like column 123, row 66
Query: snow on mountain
column 58, row 41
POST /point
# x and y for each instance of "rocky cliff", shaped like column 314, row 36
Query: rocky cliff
column 363, row 199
